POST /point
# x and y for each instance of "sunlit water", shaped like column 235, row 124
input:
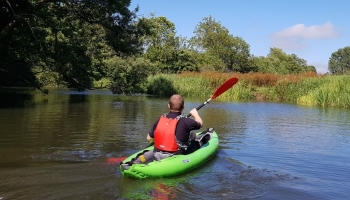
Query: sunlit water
column 56, row 147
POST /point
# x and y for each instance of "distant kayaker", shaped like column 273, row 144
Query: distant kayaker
column 171, row 133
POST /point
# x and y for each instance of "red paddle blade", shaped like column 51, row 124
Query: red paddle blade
column 116, row 160
column 227, row 85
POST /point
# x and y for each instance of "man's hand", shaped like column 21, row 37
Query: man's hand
column 150, row 140
column 194, row 112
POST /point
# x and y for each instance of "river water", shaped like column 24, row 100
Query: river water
column 56, row 146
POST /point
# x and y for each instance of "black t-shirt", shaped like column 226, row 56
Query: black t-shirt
column 183, row 128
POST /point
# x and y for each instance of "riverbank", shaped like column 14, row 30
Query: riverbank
column 303, row 89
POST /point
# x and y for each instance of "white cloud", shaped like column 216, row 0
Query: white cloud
column 296, row 37
column 301, row 31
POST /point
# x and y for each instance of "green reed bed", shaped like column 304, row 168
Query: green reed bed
column 291, row 91
column 304, row 89
column 192, row 85
column 334, row 92
column 243, row 90
column 309, row 96
column 196, row 85
column 326, row 91
column 168, row 84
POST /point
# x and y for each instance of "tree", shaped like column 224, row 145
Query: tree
column 339, row 62
column 129, row 75
column 187, row 60
column 278, row 62
column 164, row 48
column 263, row 65
column 160, row 44
column 69, row 37
column 214, row 39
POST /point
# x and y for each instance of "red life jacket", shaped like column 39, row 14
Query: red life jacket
column 164, row 134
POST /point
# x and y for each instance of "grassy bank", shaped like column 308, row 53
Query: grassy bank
column 304, row 89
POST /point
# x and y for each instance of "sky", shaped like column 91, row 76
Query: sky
column 310, row 29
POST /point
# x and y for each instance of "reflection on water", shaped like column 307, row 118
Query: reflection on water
column 56, row 146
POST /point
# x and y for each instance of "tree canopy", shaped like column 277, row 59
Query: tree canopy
column 163, row 47
column 69, row 38
column 75, row 43
column 214, row 41
column 278, row 62
column 339, row 62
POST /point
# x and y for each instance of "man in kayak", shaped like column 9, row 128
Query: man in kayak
column 171, row 133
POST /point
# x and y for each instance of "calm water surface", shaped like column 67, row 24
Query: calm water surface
column 56, row 147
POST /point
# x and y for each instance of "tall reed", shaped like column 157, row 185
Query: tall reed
column 304, row 89
column 335, row 93
column 197, row 84
column 291, row 89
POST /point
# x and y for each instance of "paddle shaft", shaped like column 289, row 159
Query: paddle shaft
column 201, row 106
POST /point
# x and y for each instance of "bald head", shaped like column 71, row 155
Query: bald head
column 176, row 103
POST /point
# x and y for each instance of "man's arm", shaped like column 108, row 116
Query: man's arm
column 150, row 135
column 150, row 139
column 197, row 118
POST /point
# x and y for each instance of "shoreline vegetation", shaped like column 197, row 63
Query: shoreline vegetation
column 308, row 88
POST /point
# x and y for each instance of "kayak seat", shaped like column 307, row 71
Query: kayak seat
column 205, row 139
column 205, row 136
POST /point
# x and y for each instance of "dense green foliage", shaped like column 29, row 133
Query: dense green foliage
column 167, row 50
column 69, row 38
column 330, row 91
column 84, row 44
column 339, row 63
column 222, row 50
column 278, row 62
column 130, row 76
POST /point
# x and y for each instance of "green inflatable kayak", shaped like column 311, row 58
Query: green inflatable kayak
column 176, row 164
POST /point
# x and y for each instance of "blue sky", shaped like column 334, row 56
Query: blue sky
column 311, row 29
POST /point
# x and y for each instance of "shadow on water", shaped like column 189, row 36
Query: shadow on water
column 77, row 98
column 16, row 98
